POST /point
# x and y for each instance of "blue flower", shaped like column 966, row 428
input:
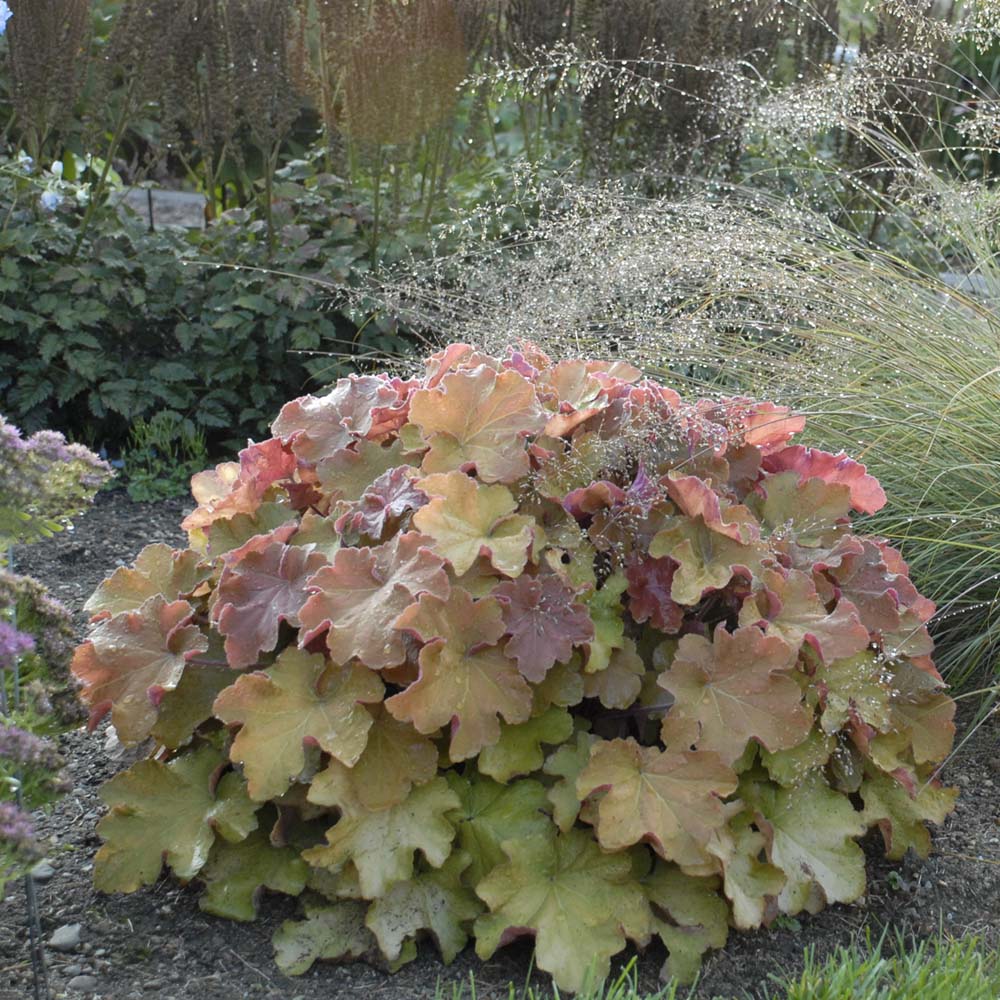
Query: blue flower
column 5, row 15
column 49, row 199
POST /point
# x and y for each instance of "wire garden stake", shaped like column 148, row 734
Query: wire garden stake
column 40, row 979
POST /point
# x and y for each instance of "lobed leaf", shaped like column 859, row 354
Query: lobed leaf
column 237, row 873
column 578, row 902
column 168, row 813
column 382, row 844
column 131, row 659
column 363, row 591
column 157, row 570
column 263, row 584
column 302, row 699
column 737, row 688
column 464, row 682
column 665, row 798
column 465, row 520
column 478, row 419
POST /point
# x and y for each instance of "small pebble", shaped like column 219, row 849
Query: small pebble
column 82, row 984
column 65, row 938
column 43, row 871
column 72, row 970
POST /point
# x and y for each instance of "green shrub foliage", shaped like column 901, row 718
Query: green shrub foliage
column 201, row 325
column 519, row 648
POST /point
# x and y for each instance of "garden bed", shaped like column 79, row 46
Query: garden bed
column 156, row 942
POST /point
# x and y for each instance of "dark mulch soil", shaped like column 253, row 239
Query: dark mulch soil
column 157, row 943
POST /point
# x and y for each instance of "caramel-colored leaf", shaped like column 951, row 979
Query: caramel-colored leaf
column 356, row 599
column 131, row 659
column 466, row 520
column 302, row 698
column 479, row 419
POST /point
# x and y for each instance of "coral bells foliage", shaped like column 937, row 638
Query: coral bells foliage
column 519, row 648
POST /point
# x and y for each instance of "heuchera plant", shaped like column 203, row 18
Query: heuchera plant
column 519, row 648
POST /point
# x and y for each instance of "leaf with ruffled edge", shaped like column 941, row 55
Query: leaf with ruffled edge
column 317, row 427
column 382, row 844
column 707, row 559
column 464, row 681
column 867, row 496
column 920, row 708
column 356, row 598
column 130, row 660
column 238, row 487
column 737, row 687
column 649, row 586
column 519, row 749
column 648, row 794
column 751, row 885
column 690, row 917
column 854, row 689
column 347, row 473
column 607, row 613
column 302, row 699
column 188, row 705
column 481, row 419
column 237, row 874
column 808, row 510
column 332, row 932
column 383, row 502
column 490, row 813
column 566, row 764
column 901, row 816
column 395, row 758
column 811, row 832
column 579, row 902
column 433, row 901
column 544, row 622
column 466, row 520
column 619, row 683
column 262, row 585
column 168, row 813
column 786, row 604
column 158, row 569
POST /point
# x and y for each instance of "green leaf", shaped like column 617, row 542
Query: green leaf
column 435, row 901
column 579, row 902
column 302, row 697
column 382, row 844
column 811, row 832
column 519, row 749
column 334, row 932
column 698, row 918
column 168, row 812
column 490, row 813
column 236, row 874
column 605, row 607
column 566, row 764
column 901, row 816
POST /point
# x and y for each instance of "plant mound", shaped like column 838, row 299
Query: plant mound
column 519, row 648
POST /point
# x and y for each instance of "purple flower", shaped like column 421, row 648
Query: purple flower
column 12, row 645
column 16, row 829
column 27, row 750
